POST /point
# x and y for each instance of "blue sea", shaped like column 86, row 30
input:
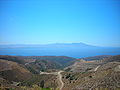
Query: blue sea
column 56, row 51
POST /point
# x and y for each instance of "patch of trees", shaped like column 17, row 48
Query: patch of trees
column 71, row 77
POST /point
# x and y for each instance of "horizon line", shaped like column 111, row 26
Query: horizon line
column 58, row 43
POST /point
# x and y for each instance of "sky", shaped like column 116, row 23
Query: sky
column 95, row 22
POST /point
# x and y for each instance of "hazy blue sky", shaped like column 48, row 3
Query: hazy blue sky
column 95, row 22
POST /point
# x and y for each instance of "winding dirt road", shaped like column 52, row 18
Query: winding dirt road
column 61, row 84
column 96, row 68
column 60, row 80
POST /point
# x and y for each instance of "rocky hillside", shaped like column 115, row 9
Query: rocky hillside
column 103, row 75
column 24, row 72
column 41, row 65
column 12, row 58
column 63, row 61
column 11, row 73
column 112, row 59
column 83, row 65
column 35, row 64
column 18, row 75
column 96, row 57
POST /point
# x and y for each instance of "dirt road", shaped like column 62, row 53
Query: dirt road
column 59, row 75
column 96, row 68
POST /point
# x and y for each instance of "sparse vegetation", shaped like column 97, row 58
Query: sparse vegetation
column 18, row 76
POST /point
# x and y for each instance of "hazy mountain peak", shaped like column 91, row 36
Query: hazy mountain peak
column 78, row 44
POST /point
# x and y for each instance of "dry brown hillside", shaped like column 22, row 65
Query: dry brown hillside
column 103, row 75
column 12, row 71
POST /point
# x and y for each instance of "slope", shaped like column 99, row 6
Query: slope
column 105, row 76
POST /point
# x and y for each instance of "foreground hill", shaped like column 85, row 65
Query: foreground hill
column 11, row 72
column 105, row 78
column 35, row 64
column 94, row 75
column 14, row 74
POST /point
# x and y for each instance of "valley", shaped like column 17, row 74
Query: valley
column 54, row 73
column 59, row 45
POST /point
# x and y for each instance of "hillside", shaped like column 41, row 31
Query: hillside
column 61, row 60
column 104, row 76
column 41, row 65
column 38, row 74
column 112, row 59
column 12, row 72
column 16, row 75
column 19, row 71
column 96, row 57
column 35, row 64
column 12, row 58
column 83, row 65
